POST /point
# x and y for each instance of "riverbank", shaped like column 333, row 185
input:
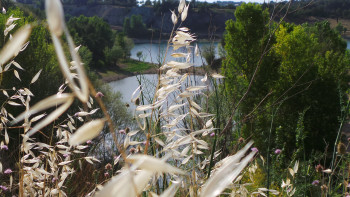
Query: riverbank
column 157, row 41
column 133, row 67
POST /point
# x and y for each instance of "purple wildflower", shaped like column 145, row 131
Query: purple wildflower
column 106, row 174
column 99, row 94
column 122, row 131
column 315, row 182
column 278, row 151
column 89, row 142
column 132, row 150
column 4, row 147
column 53, row 180
column 254, row 149
column 4, row 188
column 212, row 134
column 8, row 171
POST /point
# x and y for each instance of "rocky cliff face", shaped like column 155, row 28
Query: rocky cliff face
column 198, row 22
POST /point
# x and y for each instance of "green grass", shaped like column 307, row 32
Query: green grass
column 108, row 73
column 136, row 66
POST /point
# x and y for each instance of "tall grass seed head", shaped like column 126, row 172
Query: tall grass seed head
column 184, row 13
column 341, row 148
column 182, row 5
column 319, row 168
column 108, row 166
column 55, row 16
column 173, row 17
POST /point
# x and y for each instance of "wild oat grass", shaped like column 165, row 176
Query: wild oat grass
column 173, row 130
column 167, row 155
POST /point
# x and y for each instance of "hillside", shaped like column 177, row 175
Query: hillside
column 115, row 15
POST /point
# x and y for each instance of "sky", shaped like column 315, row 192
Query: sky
column 258, row 1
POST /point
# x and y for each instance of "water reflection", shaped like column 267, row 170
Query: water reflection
column 149, row 81
column 154, row 53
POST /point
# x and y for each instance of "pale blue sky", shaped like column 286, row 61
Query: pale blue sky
column 258, row 1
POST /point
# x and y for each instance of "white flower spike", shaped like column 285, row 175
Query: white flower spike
column 173, row 17
column 55, row 16
column 87, row 132
column 184, row 13
column 182, row 5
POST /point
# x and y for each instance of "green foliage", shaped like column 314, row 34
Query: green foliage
column 126, row 26
column 139, row 55
column 148, row 3
column 304, row 72
column 127, row 3
column 38, row 55
column 94, row 33
column 320, row 8
column 135, row 27
column 86, row 56
column 243, row 44
column 340, row 28
column 113, row 54
column 208, row 52
column 125, row 44
column 137, row 66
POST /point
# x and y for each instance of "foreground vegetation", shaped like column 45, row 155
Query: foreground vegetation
column 269, row 124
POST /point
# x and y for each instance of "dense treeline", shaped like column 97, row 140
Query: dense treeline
column 317, row 8
column 128, row 3
column 302, row 77
column 104, row 45
column 39, row 55
column 296, row 77
column 135, row 28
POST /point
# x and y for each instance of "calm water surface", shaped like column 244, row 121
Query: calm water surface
column 149, row 81
column 154, row 53
column 151, row 51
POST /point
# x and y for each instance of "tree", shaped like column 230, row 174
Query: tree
column 318, row 68
column 39, row 54
column 113, row 54
column 125, row 43
column 300, row 80
column 148, row 3
column 139, row 55
column 244, row 42
column 209, row 54
column 126, row 26
column 94, row 33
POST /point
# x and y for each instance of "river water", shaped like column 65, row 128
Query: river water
column 128, row 85
column 154, row 53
